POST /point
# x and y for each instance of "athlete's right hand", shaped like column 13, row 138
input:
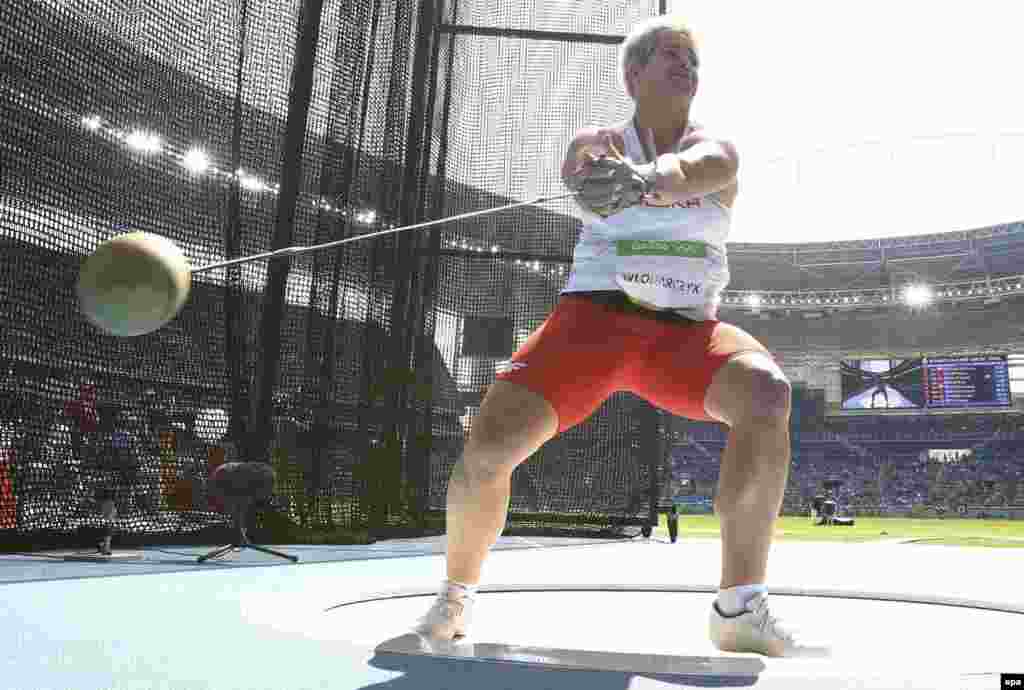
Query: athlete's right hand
column 587, row 146
column 604, row 180
column 613, row 185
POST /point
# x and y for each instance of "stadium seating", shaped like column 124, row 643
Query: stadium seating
column 853, row 453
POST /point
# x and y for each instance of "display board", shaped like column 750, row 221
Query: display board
column 970, row 381
column 955, row 382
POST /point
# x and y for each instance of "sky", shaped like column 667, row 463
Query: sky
column 868, row 119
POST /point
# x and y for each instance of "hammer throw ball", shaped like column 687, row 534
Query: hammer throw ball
column 133, row 284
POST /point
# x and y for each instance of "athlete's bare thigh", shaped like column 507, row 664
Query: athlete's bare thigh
column 513, row 423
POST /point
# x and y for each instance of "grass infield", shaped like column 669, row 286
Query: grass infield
column 947, row 532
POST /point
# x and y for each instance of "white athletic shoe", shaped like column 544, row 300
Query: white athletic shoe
column 756, row 630
column 447, row 619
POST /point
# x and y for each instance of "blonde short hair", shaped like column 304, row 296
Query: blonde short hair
column 642, row 40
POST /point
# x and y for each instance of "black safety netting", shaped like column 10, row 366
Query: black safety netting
column 508, row 135
column 576, row 18
column 235, row 128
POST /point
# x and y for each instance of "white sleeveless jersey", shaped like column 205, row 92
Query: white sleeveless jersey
column 667, row 257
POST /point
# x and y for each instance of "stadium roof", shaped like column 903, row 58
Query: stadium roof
column 858, row 264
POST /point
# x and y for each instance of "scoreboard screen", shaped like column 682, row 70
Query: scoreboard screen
column 956, row 382
column 967, row 381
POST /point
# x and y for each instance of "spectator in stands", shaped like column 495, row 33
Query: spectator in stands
column 8, row 468
column 83, row 417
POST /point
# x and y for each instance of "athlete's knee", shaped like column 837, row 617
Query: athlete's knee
column 750, row 390
column 480, row 465
column 489, row 456
column 764, row 397
column 773, row 393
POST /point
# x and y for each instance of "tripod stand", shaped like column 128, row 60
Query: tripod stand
column 239, row 511
column 239, row 484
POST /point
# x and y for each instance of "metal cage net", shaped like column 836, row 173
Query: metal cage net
column 167, row 119
column 576, row 16
column 345, row 368
column 521, row 101
column 158, row 117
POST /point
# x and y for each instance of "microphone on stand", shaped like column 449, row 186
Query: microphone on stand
column 108, row 512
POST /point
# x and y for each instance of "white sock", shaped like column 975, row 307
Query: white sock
column 734, row 600
column 456, row 590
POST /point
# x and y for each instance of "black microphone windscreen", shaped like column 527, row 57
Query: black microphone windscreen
column 243, row 480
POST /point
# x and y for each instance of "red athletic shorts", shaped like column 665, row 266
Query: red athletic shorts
column 596, row 344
